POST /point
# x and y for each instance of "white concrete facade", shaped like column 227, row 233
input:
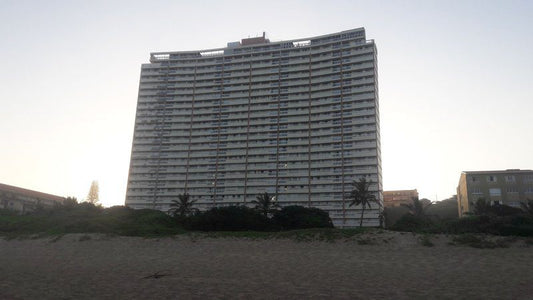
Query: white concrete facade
column 298, row 119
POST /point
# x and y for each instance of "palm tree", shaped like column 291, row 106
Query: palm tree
column 418, row 207
column 527, row 207
column 360, row 195
column 182, row 206
column 265, row 204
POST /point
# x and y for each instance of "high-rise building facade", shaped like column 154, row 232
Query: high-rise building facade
column 298, row 119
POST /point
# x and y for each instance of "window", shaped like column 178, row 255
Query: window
column 476, row 191
column 495, row 192
column 512, row 189
column 491, row 178
column 474, row 179
column 509, row 178
column 514, row 204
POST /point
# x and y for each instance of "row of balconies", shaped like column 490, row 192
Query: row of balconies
column 239, row 113
column 251, row 144
column 231, row 130
column 282, row 169
column 254, row 62
column 270, row 91
column 247, row 79
column 243, row 104
column 292, row 145
column 261, row 74
column 299, row 86
column 229, row 178
column 233, row 181
column 209, row 183
column 250, row 62
column 258, row 119
column 328, row 135
column 210, row 159
column 186, row 101
column 285, row 145
column 208, row 187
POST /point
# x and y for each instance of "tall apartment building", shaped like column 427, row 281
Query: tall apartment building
column 298, row 119
column 509, row 187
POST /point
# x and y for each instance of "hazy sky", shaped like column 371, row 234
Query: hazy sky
column 455, row 82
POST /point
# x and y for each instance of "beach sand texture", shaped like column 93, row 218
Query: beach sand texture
column 392, row 266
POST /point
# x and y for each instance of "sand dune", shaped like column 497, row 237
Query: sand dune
column 374, row 266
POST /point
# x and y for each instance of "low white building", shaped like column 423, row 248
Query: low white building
column 23, row 200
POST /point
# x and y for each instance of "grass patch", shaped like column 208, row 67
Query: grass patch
column 426, row 241
column 300, row 235
column 365, row 241
column 84, row 237
column 481, row 242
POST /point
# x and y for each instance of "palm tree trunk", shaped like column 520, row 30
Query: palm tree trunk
column 362, row 215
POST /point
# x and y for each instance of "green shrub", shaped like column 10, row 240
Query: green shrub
column 299, row 217
column 413, row 224
column 88, row 218
column 231, row 218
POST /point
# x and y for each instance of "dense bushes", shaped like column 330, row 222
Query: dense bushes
column 237, row 218
column 299, row 217
column 517, row 225
column 87, row 218
column 495, row 219
column 232, row 218
column 410, row 222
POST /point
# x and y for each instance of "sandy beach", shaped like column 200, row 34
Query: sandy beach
column 386, row 265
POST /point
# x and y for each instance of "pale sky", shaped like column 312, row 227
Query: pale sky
column 455, row 82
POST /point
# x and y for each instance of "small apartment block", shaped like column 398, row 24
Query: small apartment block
column 399, row 197
column 509, row 187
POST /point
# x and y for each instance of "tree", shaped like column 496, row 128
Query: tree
column 93, row 197
column 361, row 195
column 527, row 207
column 481, row 207
column 444, row 209
column 70, row 202
column 182, row 206
column 265, row 204
column 418, row 207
